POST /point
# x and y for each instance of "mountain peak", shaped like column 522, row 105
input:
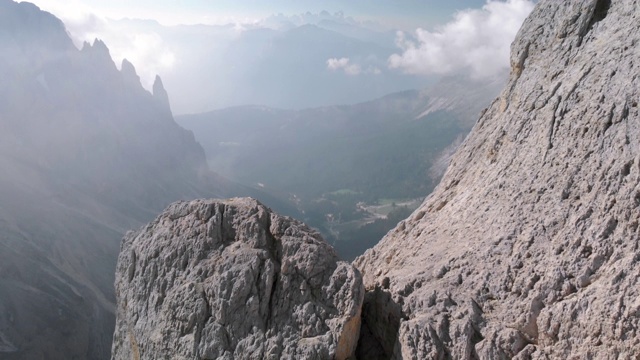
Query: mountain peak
column 30, row 25
column 129, row 74
column 98, row 52
column 97, row 57
column 160, row 94
column 127, row 69
column 98, row 46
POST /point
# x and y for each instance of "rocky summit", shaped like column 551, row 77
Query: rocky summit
column 231, row 280
column 529, row 247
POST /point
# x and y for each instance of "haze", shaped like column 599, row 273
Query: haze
column 350, row 51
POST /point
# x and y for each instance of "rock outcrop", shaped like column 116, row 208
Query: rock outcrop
column 232, row 280
column 529, row 247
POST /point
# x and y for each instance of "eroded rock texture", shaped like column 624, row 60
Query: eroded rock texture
column 232, row 280
column 529, row 247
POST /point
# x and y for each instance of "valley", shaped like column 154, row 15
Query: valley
column 344, row 166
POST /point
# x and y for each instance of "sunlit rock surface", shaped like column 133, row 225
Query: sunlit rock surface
column 528, row 248
column 229, row 279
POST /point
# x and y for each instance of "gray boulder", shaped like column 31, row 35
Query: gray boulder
column 529, row 247
column 231, row 280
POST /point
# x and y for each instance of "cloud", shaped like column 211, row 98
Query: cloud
column 351, row 69
column 476, row 41
column 336, row 64
column 147, row 51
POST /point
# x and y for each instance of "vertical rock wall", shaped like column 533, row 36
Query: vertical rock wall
column 529, row 247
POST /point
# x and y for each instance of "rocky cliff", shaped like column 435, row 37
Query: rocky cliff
column 529, row 247
column 232, row 280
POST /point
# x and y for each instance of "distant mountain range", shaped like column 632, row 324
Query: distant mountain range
column 277, row 63
column 330, row 159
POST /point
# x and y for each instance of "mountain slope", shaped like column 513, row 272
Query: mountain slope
column 528, row 248
column 86, row 154
column 334, row 139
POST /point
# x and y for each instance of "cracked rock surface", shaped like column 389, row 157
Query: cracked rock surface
column 229, row 279
column 529, row 247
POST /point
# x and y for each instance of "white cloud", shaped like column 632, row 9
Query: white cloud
column 351, row 69
column 335, row 63
column 345, row 64
column 148, row 51
column 476, row 41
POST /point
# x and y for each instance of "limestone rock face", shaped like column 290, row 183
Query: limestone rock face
column 529, row 247
column 232, row 280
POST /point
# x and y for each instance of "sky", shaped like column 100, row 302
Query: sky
column 395, row 13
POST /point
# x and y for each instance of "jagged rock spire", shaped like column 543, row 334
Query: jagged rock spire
column 160, row 94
